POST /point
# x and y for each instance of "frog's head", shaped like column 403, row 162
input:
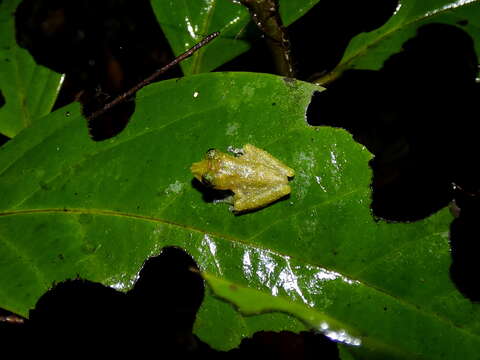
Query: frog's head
column 202, row 170
column 199, row 169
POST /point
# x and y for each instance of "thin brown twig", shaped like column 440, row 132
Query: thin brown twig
column 122, row 97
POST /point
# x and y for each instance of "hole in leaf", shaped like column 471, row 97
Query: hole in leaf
column 160, row 310
column 169, row 289
column 465, row 246
column 12, row 329
column 417, row 116
column 3, row 139
column 87, row 316
column 286, row 345
column 104, row 48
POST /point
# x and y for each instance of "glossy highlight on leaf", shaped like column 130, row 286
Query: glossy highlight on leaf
column 74, row 207
column 370, row 50
column 185, row 23
column 253, row 302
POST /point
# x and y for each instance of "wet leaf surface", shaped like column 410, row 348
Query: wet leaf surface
column 185, row 23
column 369, row 50
column 74, row 207
column 29, row 89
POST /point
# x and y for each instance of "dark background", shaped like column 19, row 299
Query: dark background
column 417, row 115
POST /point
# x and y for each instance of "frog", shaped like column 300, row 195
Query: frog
column 255, row 177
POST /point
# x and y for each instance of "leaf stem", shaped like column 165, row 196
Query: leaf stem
column 266, row 16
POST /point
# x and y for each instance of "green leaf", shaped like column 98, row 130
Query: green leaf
column 253, row 302
column 185, row 23
column 29, row 89
column 370, row 50
column 71, row 206
column 293, row 10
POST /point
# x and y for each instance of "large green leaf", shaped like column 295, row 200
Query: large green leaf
column 71, row 206
column 370, row 50
column 29, row 89
column 185, row 23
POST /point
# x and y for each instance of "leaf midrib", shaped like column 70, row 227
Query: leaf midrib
column 103, row 212
column 106, row 148
column 205, row 29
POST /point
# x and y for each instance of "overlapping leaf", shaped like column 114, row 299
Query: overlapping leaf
column 185, row 23
column 71, row 206
column 293, row 10
column 28, row 88
column 370, row 50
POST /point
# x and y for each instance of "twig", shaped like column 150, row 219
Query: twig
column 266, row 16
column 122, row 97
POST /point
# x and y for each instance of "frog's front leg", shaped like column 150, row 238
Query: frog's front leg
column 255, row 198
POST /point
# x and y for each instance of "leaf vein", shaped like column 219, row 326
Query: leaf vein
column 102, row 212
column 86, row 158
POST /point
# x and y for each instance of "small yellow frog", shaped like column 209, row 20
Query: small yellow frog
column 255, row 177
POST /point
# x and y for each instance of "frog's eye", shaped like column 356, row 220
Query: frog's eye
column 211, row 154
column 207, row 179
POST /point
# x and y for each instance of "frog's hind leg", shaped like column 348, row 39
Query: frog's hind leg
column 255, row 154
column 259, row 197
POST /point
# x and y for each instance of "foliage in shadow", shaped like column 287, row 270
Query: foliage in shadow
column 418, row 116
column 286, row 345
column 321, row 37
column 104, row 48
column 464, row 240
column 3, row 139
column 154, row 318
